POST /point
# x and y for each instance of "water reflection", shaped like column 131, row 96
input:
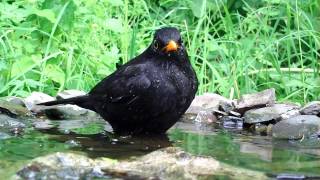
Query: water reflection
column 260, row 153
column 109, row 145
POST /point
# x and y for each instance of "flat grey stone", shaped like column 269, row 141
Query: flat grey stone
column 276, row 112
column 35, row 98
column 209, row 101
column 255, row 100
column 302, row 126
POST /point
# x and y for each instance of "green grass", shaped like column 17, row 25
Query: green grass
column 236, row 47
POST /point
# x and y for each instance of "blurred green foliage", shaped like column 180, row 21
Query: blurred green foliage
column 236, row 47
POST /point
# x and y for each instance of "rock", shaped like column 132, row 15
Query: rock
column 16, row 100
column 226, row 106
column 302, row 126
column 276, row 112
column 255, row 100
column 46, row 124
column 68, row 111
column 10, row 125
column 209, row 101
column 61, row 166
column 70, row 93
column 206, row 117
column 12, row 109
column 169, row 163
column 232, row 122
column 35, row 98
column 312, row 108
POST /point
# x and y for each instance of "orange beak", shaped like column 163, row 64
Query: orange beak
column 171, row 46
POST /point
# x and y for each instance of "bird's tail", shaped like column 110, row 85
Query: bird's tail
column 81, row 101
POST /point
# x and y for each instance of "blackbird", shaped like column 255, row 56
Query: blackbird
column 149, row 93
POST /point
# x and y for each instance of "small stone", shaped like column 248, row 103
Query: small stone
column 268, row 113
column 226, row 106
column 312, row 108
column 219, row 113
column 205, row 117
column 261, row 128
column 302, row 126
column 233, row 113
column 232, row 122
column 70, row 93
column 255, row 100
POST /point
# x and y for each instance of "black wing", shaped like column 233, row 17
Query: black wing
column 124, row 86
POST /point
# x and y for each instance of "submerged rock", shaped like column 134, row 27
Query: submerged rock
column 255, row 100
column 168, row 163
column 276, row 112
column 9, row 125
column 302, row 126
column 312, row 108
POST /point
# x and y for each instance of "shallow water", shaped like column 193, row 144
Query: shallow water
column 238, row 148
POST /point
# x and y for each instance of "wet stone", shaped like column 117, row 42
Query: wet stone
column 255, row 100
column 10, row 125
column 276, row 112
column 169, row 163
column 206, row 117
column 67, row 112
column 232, row 122
column 302, row 126
column 312, row 108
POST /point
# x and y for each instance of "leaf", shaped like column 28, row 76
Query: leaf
column 21, row 66
column 55, row 73
column 46, row 13
column 67, row 19
column 115, row 2
column 114, row 25
column 196, row 7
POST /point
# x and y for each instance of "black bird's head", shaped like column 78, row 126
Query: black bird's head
column 167, row 41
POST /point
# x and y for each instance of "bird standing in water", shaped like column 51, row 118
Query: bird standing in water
column 149, row 93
